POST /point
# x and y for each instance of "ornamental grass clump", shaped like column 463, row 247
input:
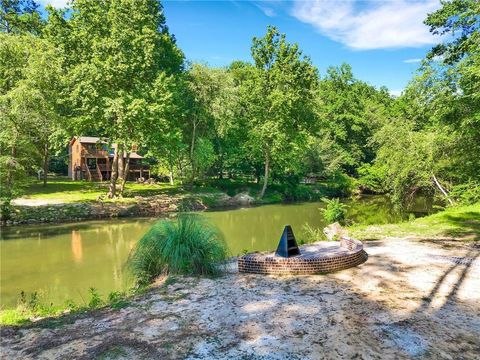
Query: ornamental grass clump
column 186, row 246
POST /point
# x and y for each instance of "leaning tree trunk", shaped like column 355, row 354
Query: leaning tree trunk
column 114, row 176
column 192, row 152
column 45, row 163
column 443, row 191
column 126, row 168
column 265, row 178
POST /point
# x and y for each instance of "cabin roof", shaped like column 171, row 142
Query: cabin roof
column 96, row 140
column 89, row 139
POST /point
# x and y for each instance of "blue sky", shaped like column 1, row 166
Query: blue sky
column 382, row 40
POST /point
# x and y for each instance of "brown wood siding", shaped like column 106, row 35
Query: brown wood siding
column 75, row 157
column 80, row 151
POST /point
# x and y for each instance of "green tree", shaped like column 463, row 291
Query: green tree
column 29, row 92
column 279, row 99
column 350, row 111
column 20, row 16
column 432, row 140
column 414, row 159
column 461, row 20
column 209, row 111
column 168, row 146
column 120, row 60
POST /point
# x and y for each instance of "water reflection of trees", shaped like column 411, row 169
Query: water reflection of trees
column 76, row 244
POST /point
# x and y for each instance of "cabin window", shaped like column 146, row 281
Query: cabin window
column 91, row 148
column 92, row 163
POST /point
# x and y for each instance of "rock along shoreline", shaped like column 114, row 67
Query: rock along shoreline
column 151, row 206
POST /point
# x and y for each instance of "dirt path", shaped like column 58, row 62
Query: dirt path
column 409, row 300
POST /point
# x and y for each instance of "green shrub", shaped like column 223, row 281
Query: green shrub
column 185, row 246
column 371, row 178
column 95, row 299
column 299, row 193
column 272, row 198
column 295, row 192
column 341, row 184
column 6, row 209
column 466, row 194
column 334, row 211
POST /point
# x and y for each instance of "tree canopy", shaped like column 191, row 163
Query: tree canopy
column 112, row 69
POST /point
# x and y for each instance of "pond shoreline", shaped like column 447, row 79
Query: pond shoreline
column 92, row 253
column 149, row 206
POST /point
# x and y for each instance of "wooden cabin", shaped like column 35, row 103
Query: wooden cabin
column 91, row 158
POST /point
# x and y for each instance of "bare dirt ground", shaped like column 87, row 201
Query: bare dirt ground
column 411, row 299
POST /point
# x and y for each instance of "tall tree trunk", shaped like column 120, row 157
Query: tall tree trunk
column 179, row 165
column 121, row 166
column 170, row 173
column 45, row 163
column 192, row 151
column 126, row 168
column 114, row 175
column 444, row 192
column 265, row 177
column 220, row 174
column 9, row 180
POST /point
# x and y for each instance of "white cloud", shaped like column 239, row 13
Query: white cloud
column 395, row 93
column 411, row 61
column 58, row 4
column 268, row 11
column 366, row 25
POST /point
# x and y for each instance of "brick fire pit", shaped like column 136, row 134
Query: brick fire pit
column 317, row 258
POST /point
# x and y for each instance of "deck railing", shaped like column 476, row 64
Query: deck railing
column 105, row 167
column 95, row 153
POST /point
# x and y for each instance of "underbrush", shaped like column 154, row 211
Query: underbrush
column 311, row 234
column 338, row 186
column 32, row 307
column 466, row 194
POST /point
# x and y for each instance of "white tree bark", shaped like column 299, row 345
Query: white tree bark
column 443, row 191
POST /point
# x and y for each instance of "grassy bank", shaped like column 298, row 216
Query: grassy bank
column 461, row 223
column 62, row 189
column 32, row 308
column 63, row 200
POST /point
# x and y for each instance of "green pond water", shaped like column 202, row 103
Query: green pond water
column 62, row 262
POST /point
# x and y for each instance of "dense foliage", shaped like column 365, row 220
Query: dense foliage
column 112, row 69
column 186, row 246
